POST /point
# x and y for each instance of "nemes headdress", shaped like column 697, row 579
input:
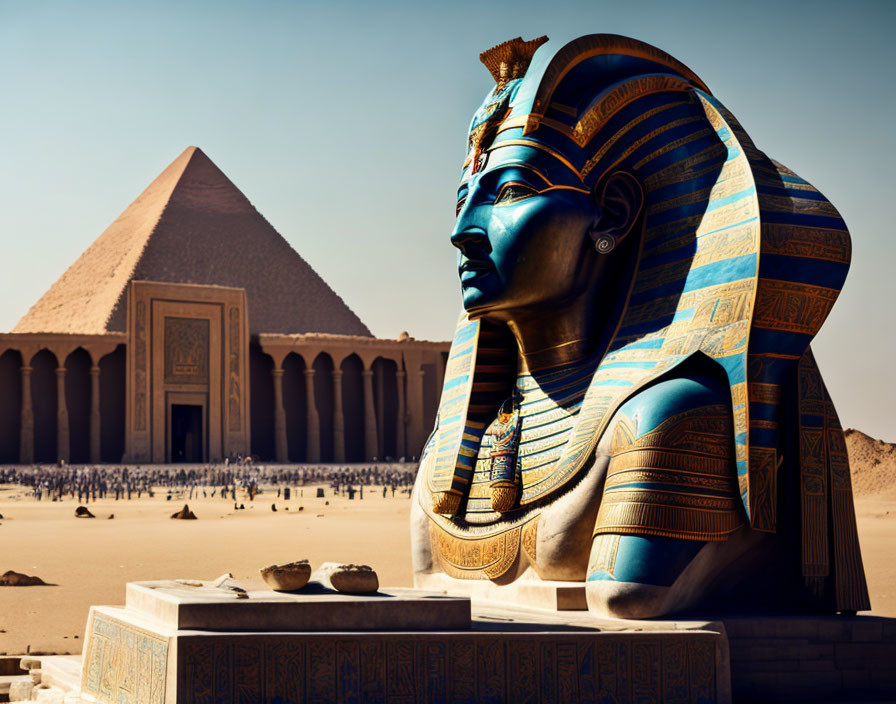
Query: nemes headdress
column 740, row 260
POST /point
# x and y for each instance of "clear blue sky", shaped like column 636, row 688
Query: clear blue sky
column 344, row 123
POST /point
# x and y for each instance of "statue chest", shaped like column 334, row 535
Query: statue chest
column 545, row 417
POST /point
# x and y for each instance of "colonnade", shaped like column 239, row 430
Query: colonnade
column 397, row 395
column 373, row 405
column 329, row 398
column 62, row 351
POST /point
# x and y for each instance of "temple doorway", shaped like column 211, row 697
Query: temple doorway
column 186, row 433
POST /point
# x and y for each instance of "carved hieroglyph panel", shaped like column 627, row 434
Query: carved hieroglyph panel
column 233, row 376
column 186, row 351
column 124, row 664
column 140, row 368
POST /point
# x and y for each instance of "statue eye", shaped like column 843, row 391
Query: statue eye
column 513, row 192
column 460, row 206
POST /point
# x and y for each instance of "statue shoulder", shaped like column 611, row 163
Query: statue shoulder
column 691, row 413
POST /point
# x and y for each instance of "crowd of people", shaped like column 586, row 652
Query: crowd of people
column 91, row 483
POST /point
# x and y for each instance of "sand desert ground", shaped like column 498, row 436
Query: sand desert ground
column 89, row 561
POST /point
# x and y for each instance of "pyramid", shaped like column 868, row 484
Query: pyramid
column 192, row 225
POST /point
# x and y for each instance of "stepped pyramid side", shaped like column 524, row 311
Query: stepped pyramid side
column 198, row 228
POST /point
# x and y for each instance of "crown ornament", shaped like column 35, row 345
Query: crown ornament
column 510, row 60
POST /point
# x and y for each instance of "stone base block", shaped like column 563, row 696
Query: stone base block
column 315, row 608
column 131, row 658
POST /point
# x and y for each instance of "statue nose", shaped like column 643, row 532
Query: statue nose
column 470, row 237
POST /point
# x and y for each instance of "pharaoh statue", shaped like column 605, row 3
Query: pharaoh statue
column 630, row 401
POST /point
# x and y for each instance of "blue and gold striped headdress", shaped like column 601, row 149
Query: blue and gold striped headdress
column 740, row 259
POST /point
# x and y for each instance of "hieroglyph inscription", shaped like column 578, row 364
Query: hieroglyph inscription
column 186, row 351
column 233, row 385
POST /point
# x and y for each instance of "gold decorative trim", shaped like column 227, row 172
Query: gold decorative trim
column 530, row 539
column 542, row 147
column 474, row 557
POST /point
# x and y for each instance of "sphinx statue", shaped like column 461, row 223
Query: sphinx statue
column 630, row 400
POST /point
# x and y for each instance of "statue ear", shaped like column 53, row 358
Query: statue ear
column 620, row 200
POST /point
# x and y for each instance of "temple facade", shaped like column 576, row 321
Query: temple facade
column 191, row 331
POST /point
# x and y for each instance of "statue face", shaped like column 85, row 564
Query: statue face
column 522, row 231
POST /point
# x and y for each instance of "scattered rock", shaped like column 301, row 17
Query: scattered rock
column 190, row 582
column 301, row 508
column 83, row 512
column 17, row 579
column 288, row 577
column 352, row 579
column 185, row 514
column 111, row 516
column 274, row 507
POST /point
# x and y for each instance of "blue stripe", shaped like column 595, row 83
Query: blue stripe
column 456, row 381
column 763, row 437
column 653, row 344
column 465, row 334
column 671, row 488
column 763, row 411
column 803, row 270
column 735, row 366
column 676, row 155
column 728, row 200
column 788, row 193
column 716, row 273
column 778, row 342
column 776, row 217
column 628, row 365
column 810, row 420
column 698, row 208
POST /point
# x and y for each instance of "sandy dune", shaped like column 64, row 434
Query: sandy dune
column 90, row 560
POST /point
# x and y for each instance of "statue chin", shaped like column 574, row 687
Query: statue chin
column 478, row 297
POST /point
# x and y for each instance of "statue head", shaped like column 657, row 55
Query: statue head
column 552, row 198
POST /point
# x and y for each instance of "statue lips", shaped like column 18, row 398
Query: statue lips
column 472, row 269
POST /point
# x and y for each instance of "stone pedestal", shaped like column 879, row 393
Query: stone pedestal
column 174, row 644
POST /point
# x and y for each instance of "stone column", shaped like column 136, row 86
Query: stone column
column 338, row 418
column 94, row 414
column 26, row 433
column 313, row 418
column 369, row 416
column 281, row 449
column 416, row 434
column 401, row 450
column 62, row 444
column 380, row 399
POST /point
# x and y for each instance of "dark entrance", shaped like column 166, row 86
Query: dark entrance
column 186, row 433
